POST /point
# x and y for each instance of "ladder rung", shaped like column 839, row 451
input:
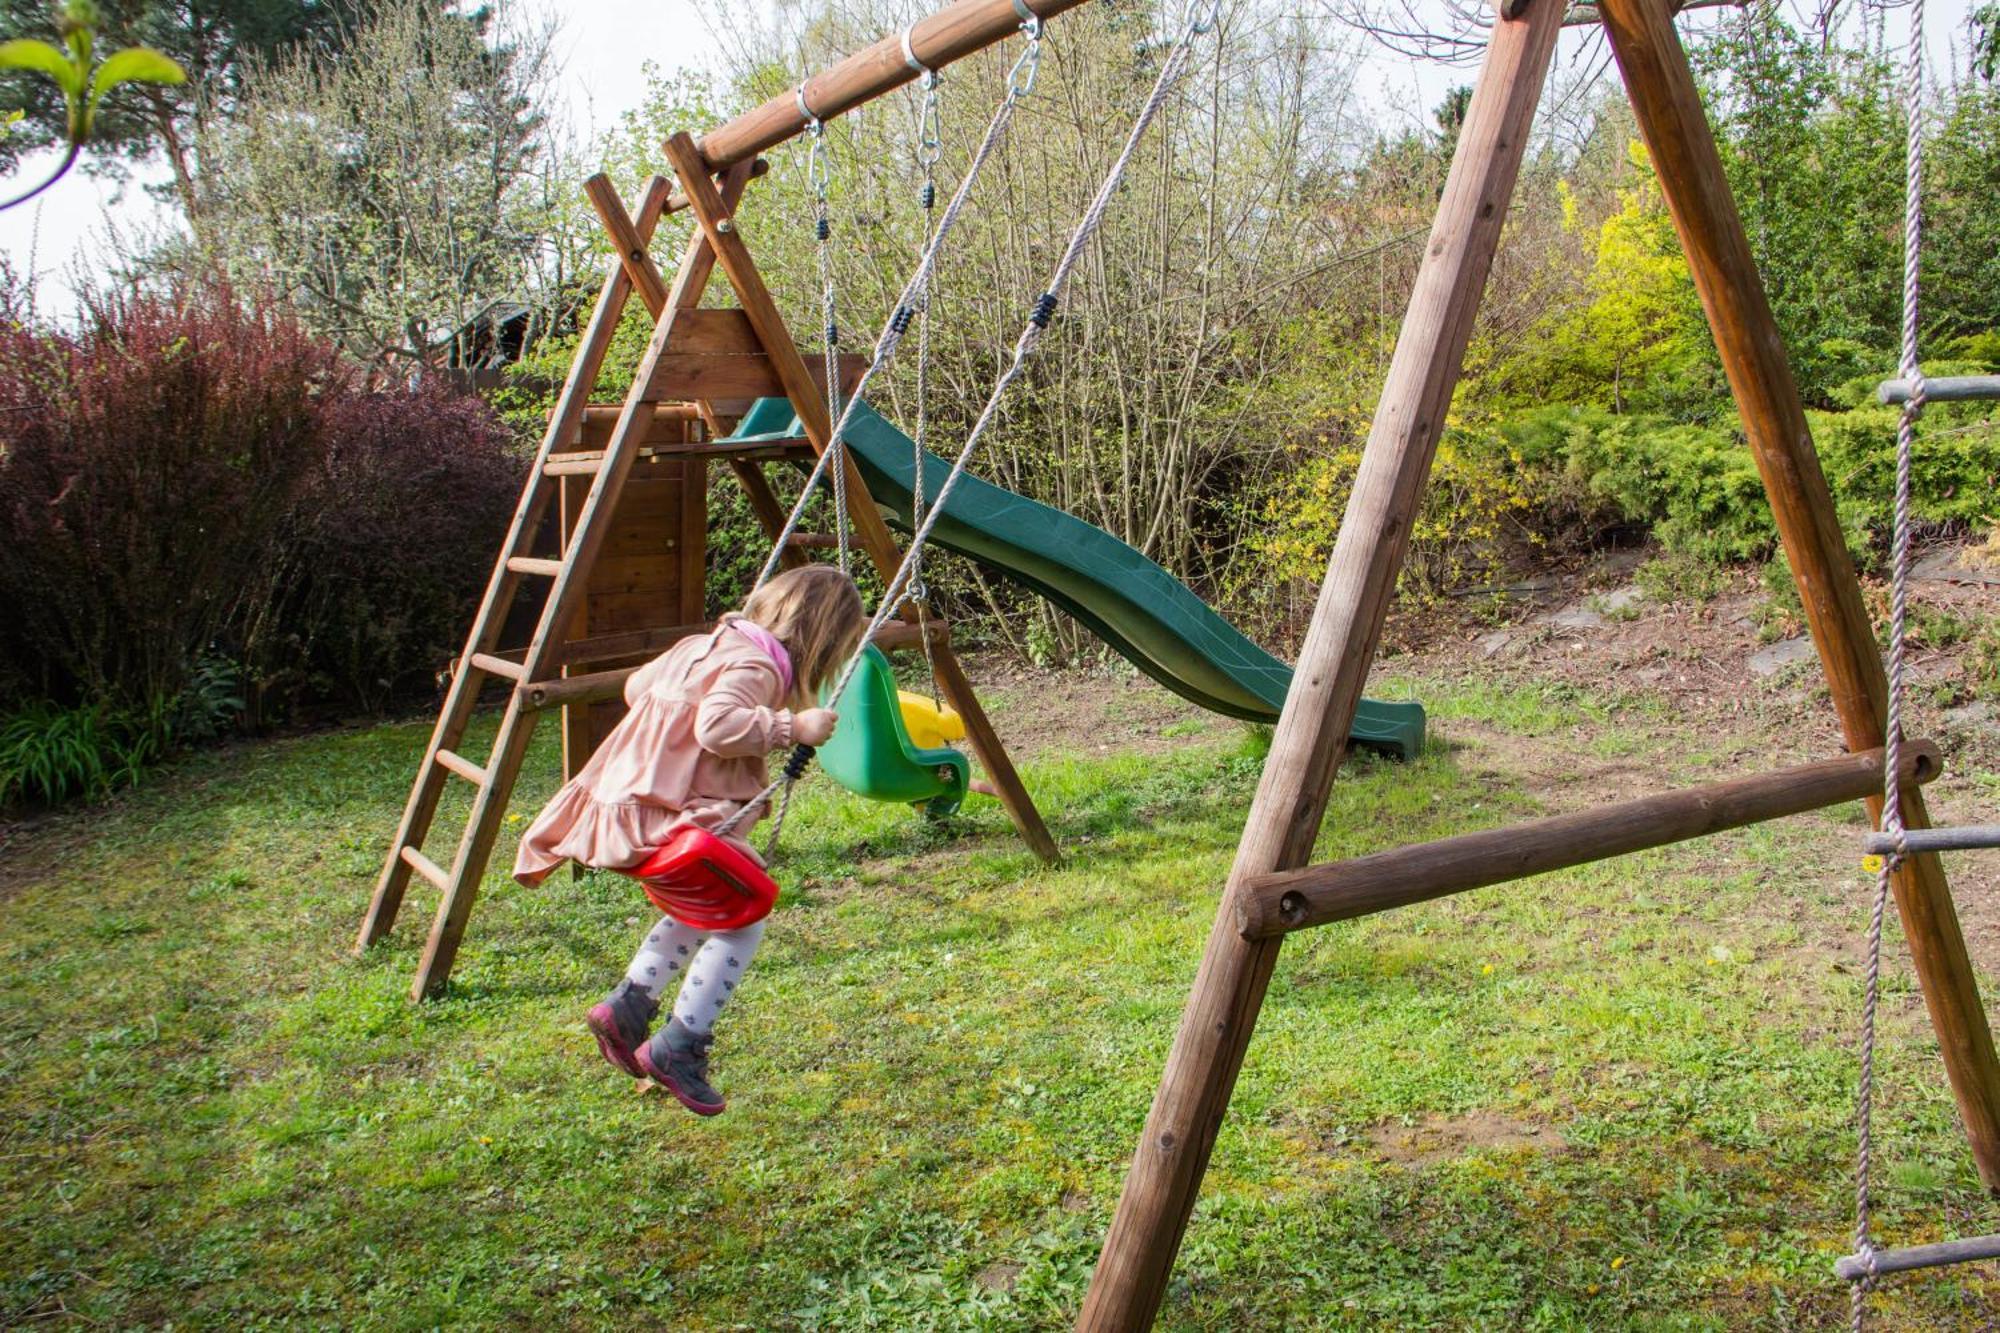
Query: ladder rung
column 462, row 766
column 426, row 867
column 1853, row 1267
column 814, row 541
column 573, row 465
column 499, row 666
column 1965, row 838
column 531, row 564
column 1947, row 389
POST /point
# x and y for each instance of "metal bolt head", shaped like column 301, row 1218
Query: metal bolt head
column 726, row 226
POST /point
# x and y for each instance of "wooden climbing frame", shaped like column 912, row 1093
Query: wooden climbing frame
column 625, row 485
column 1273, row 891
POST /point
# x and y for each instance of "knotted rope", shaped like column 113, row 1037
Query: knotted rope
column 1892, row 782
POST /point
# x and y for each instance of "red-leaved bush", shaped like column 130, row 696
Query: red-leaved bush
column 195, row 476
column 146, row 463
column 384, row 560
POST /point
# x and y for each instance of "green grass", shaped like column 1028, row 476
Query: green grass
column 215, row 1116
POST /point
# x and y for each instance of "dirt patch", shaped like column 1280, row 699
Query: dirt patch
column 1087, row 712
column 1439, row 1138
column 1001, row 1275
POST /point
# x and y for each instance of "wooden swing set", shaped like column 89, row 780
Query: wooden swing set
column 643, row 461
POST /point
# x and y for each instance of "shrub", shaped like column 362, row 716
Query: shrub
column 383, row 559
column 49, row 753
column 148, row 463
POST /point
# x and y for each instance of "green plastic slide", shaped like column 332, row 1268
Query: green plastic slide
column 1147, row 615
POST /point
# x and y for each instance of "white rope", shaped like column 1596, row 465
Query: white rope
column 1038, row 322
column 930, row 148
column 1892, row 745
column 819, row 175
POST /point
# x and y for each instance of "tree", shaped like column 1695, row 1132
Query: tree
column 214, row 41
column 393, row 192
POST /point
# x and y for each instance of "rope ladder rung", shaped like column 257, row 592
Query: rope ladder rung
column 1854, row 1267
column 1964, row 838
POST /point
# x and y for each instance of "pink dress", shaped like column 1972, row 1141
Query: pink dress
column 704, row 714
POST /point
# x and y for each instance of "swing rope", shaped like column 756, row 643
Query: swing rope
column 1020, row 83
column 819, row 176
column 1201, row 19
column 1892, row 783
column 930, row 148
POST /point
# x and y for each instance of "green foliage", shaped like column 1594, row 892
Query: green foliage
column 1982, row 661
column 50, row 754
column 1679, row 576
column 75, row 71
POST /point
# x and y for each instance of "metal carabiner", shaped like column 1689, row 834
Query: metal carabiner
column 819, row 162
column 930, row 126
column 1021, row 78
column 1199, row 23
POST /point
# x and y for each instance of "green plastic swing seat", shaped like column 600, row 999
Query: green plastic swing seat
column 871, row 753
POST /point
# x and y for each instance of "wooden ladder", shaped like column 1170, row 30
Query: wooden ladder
column 492, row 779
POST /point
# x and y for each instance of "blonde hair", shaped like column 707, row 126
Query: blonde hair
column 816, row 612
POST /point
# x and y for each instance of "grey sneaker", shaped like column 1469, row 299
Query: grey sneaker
column 677, row 1059
column 621, row 1022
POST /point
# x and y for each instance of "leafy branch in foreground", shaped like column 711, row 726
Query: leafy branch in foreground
column 74, row 68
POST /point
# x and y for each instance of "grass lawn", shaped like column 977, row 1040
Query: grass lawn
column 1614, row 1097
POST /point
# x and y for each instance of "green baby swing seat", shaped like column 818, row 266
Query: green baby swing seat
column 871, row 753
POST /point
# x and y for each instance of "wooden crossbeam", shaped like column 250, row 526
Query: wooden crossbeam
column 1288, row 900
column 570, row 690
column 951, row 34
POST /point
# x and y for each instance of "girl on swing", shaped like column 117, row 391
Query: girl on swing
column 704, row 715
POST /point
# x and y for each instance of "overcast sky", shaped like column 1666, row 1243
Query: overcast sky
column 606, row 46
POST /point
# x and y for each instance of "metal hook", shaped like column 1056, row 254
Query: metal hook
column 1200, row 23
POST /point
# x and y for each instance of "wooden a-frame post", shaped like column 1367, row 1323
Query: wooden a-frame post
column 1284, row 821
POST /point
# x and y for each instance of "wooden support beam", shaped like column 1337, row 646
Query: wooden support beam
column 1676, row 133
column 1131, row 1277
column 1290, row 900
column 937, row 40
column 626, row 242
column 718, row 224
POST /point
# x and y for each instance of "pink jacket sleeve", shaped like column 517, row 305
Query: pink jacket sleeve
column 733, row 720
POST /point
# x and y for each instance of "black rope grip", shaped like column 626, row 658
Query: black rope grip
column 796, row 764
column 1045, row 310
column 823, row 229
column 929, row 196
column 901, row 323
